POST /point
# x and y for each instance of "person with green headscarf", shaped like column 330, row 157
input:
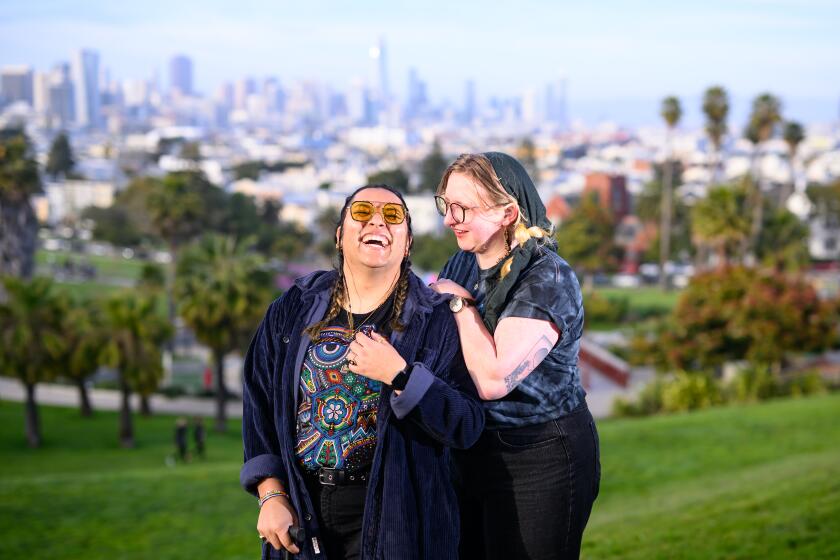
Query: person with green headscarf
column 527, row 487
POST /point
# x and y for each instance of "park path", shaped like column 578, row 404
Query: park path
column 599, row 400
column 107, row 399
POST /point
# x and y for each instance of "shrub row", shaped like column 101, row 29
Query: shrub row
column 684, row 391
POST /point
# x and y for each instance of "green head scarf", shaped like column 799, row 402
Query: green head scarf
column 518, row 184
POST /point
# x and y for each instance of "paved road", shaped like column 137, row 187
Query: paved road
column 105, row 399
column 599, row 397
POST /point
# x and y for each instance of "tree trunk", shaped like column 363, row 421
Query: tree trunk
column 84, row 399
column 126, row 426
column 170, row 297
column 145, row 405
column 665, row 223
column 751, row 257
column 18, row 239
column 221, row 392
column 33, row 423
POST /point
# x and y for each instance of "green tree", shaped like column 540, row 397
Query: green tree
column 135, row 335
column 84, row 338
column 793, row 134
column 526, row 153
column 222, row 291
column 648, row 205
column 326, row 221
column 765, row 116
column 181, row 207
column 31, row 340
column 432, row 168
column 587, row 239
column 716, row 109
column 19, row 180
column 430, row 252
column 152, row 278
column 113, row 225
column 191, row 151
column 671, row 112
column 248, row 170
column 740, row 313
column 395, row 178
column 719, row 221
column 783, row 244
column 60, row 161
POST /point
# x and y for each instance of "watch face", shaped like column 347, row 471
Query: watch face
column 456, row 303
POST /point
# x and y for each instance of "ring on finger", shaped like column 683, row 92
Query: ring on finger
column 262, row 538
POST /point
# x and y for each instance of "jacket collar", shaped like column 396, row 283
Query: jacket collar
column 420, row 299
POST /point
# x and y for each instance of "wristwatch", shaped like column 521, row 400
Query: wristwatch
column 400, row 380
column 457, row 303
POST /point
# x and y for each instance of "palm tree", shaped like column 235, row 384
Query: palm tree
column 60, row 161
column 718, row 221
column 222, row 291
column 181, row 207
column 19, row 180
column 31, row 341
column 135, row 335
column 794, row 134
column 766, row 114
column 671, row 112
column 84, row 337
column 716, row 109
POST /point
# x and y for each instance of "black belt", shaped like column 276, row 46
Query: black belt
column 338, row 477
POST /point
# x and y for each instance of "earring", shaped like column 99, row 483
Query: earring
column 507, row 241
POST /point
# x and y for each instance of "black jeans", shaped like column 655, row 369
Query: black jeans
column 340, row 510
column 526, row 493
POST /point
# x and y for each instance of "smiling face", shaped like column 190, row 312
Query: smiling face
column 374, row 244
column 482, row 230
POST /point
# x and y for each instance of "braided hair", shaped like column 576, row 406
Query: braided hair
column 338, row 293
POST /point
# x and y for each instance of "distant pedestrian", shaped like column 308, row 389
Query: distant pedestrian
column 199, row 436
column 181, row 439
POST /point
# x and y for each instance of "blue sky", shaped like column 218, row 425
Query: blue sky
column 618, row 57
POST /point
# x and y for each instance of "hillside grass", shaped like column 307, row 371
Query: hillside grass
column 754, row 481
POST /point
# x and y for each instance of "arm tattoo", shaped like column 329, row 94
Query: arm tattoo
column 537, row 354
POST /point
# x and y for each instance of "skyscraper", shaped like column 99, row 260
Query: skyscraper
column 468, row 113
column 16, row 84
column 380, row 89
column 181, row 75
column 85, row 75
column 416, row 94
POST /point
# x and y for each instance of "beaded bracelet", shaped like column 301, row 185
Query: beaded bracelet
column 271, row 494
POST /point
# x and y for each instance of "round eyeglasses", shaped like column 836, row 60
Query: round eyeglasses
column 364, row 211
column 458, row 211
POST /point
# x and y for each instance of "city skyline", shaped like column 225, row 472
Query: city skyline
column 748, row 47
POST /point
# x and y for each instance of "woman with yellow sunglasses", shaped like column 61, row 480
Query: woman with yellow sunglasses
column 355, row 390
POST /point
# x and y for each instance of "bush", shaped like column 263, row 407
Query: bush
column 648, row 402
column 807, row 383
column 753, row 383
column 690, row 391
column 694, row 390
column 600, row 309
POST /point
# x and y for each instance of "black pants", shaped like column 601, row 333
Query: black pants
column 340, row 510
column 526, row 493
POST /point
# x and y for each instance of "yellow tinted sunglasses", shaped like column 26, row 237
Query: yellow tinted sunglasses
column 364, row 211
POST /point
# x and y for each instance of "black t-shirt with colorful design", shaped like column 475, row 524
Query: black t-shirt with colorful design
column 336, row 419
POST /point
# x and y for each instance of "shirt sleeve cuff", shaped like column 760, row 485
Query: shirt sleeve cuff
column 258, row 468
column 418, row 383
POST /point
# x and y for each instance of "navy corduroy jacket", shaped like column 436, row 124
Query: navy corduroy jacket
column 411, row 511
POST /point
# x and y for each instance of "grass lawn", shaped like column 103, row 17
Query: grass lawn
column 106, row 267
column 643, row 298
column 757, row 481
column 642, row 303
